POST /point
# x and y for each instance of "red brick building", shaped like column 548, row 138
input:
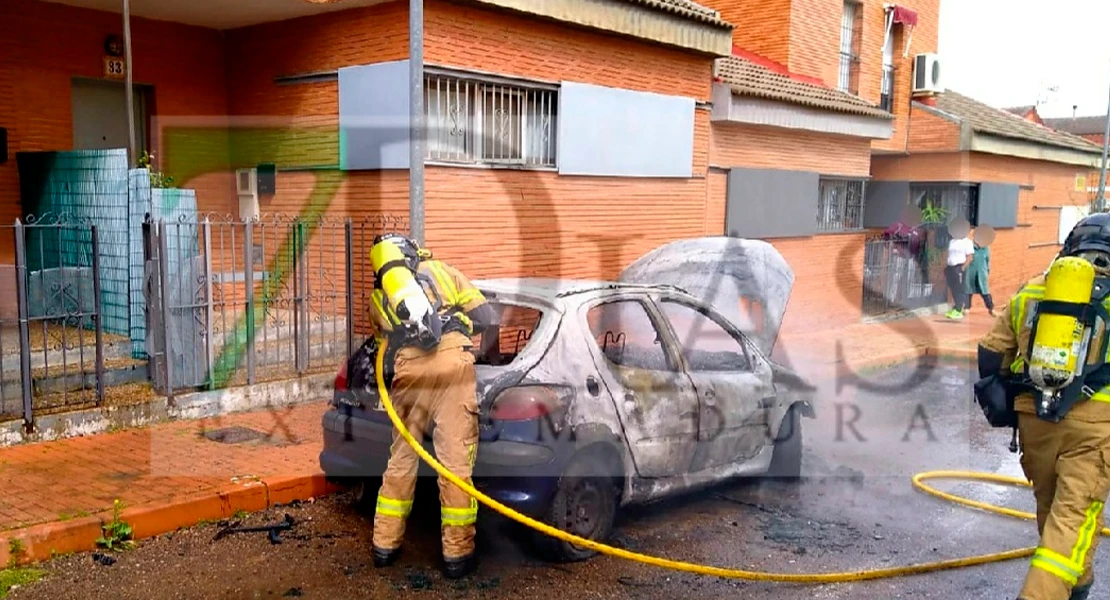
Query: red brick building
column 993, row 168
column 635, row 122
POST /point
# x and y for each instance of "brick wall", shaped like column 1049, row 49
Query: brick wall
column 925, row 39
column 49, row 44
column 489, row 222
column 762, row 26
column 804, row 35
column 828, row 284
column 929, row 132
column 1017, row 254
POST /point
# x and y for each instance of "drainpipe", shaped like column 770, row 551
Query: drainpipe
column 129, row 92
column 416, row 120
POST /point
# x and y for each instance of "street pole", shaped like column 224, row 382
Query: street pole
column 416, row 120
column 129, row 92
column 1105, row 153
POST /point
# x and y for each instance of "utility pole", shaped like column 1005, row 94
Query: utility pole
column 1101, row 202
column 416, row 120
column 129, row 92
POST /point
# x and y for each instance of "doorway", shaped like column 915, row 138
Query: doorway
column 100, row 115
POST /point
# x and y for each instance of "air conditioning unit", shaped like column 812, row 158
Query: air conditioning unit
column 246, row 186
column 926, row 74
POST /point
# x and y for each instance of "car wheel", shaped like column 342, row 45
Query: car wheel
column 786, row 460
column 584, row 505
column 366, row 493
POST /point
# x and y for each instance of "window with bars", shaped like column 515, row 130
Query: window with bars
column 481, row 122
column 840, row 204
column 849, row 46
column 886, row 100
column 956, row 199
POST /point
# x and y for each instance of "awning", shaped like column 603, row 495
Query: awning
column 905, row 16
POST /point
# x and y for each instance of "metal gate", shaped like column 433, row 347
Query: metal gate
column 233, row 302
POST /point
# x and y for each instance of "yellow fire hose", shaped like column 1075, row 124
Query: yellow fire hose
column 848, row 576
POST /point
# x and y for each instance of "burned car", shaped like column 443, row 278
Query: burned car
column 595, row 395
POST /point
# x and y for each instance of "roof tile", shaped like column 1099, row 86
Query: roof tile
column 983, row 118
column 1079, row 125
column 686, row 8
column 749, row 79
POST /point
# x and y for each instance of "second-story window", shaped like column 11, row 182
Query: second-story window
column 474, row 121
column 886, row 101
column 849, row 46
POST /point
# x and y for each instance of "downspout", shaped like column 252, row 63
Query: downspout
column 416, row 120
column 129, row 92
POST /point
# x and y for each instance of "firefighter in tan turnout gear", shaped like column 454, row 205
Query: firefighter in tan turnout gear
column 1049, row 348
column 425, row 313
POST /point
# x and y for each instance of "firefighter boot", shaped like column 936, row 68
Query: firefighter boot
column 457, row 568
column 1080, row 592
column 385, row 558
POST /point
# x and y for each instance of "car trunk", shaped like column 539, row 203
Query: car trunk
column 503, row 355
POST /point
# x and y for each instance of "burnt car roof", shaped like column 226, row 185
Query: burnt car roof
column 551, row 288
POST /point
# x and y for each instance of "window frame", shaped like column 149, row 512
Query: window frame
column 673, row 361
column 470, row 92
column 824, row 224
column 851, row 32
column 734, row 333
column 919, row 191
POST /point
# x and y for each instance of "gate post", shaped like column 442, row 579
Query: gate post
column 347, row 232
column 206, row 231
column 98, row 309
column 24, row 326
column 248, row 261
column 164, row 283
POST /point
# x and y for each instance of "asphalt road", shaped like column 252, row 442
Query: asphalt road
column 855, row 510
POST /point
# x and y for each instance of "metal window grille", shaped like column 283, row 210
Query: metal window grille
column 840, row 204
column 957, row 199
column 886, row 101
column 848, row 58
column 480, row 122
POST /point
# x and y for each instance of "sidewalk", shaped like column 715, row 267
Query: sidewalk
column 57, row 494
column 169, row 476
column 873, row 345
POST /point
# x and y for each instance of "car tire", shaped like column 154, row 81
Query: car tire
column 786, row 460
column 365, row 491
column 584, row 504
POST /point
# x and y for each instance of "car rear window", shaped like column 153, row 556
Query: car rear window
column 512, row 334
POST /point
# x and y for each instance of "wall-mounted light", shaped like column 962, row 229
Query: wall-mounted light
column 113, row 45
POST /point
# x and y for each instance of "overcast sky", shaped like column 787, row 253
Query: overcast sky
column 1010, row 52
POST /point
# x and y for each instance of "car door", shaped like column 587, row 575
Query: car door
column 734, row 387
column 638, row 364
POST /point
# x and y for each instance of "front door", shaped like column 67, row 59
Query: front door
column 656, row 402
column 100, row 115
column 734, row 386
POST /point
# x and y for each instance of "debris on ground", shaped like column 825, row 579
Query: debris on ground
column 273, row 529
column 103, row 559
column 295, row 592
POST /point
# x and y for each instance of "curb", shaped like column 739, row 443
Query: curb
column 44, row 541
column 899, row 358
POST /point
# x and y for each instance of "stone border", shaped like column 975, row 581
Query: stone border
column 45, row 541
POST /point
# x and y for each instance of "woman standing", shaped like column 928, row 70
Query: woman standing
column 978, row 271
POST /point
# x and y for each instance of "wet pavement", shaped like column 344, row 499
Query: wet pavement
column 856, row 509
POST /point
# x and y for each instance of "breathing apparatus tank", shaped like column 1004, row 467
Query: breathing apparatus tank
column 1059, row 349
column 399, row 279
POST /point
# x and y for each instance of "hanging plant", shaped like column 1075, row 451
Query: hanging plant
column 158, row 179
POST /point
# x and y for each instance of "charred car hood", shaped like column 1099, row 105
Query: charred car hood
column 728, row 274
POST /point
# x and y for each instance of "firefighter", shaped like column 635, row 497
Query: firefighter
column 1064, row 439
column 431, row 380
